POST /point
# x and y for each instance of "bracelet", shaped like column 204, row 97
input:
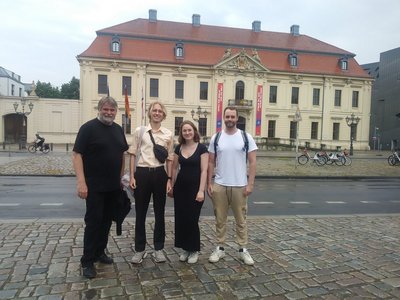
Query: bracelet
column 169, row 177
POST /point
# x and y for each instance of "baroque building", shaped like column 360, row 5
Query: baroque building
column 196, row 70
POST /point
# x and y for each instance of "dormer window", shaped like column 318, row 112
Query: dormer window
column 344, row 63
column 293, row 61
column 179, row 53
column 115, row 45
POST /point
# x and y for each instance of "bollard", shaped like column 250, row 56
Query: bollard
column 66, row 146
column 51, row 147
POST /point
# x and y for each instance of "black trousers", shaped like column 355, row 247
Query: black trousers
column 150, row 182
column 98, row 219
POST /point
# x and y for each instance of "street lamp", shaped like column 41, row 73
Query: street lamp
column 352, row 122
column 23, row 113
column 199, row 113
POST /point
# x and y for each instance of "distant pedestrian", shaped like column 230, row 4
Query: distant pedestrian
column 150, row 177
column 98, row 159
column 189, row 179
column 232, row 184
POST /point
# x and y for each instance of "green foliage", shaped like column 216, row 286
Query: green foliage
column 68, row 90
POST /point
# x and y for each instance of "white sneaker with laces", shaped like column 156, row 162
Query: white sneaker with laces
column 138, row 257
column 217, row 254
column 193, row 257
column 245, row 256
column 184, row 256
column 159, row 256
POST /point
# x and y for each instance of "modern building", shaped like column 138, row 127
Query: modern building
column 385, row 103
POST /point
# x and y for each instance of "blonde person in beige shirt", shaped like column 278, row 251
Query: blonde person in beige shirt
column 150, row 178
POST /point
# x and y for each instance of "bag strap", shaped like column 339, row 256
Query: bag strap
column 151, row 137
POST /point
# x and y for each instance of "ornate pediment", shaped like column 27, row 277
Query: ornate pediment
column 241, row 62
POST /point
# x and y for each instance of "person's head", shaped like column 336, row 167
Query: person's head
column 157, row 112
column 230, row 117
column 107, row 110
column 188, row 131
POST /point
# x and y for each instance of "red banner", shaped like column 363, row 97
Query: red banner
column 259, row 109
column 220, row 100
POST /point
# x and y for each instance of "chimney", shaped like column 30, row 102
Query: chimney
column 153, row 15
column 256, row 26
column 295, row 30
column 196, row 20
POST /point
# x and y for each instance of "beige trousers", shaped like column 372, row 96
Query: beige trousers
column 223, row 197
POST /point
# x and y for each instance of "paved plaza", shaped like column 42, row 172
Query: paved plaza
column 296, row 257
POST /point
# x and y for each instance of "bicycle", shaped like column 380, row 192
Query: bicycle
column 33, row 148
column 333, row 158
column 394, row 158
column 305, row 157
column 346, row 156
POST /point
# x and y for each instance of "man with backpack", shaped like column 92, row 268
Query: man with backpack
column 229, row 152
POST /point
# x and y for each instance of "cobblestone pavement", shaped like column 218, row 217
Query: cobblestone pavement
column 349, row 257
column 296, row 257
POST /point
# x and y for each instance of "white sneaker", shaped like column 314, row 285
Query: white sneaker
column 193, row 257
column 184, row 256
column 217, row 254
column 245, row 256
column 159, row 256
column 138, row 257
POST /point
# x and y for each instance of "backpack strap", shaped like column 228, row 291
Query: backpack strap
column 246, row 143
column 217, row 136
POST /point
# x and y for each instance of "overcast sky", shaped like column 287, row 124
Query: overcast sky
column 41, row 38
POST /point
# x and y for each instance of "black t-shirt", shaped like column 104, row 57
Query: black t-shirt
column 102, row 148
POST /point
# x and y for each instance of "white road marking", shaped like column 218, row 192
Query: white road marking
column 369, row 202
column 264, row 202
column 10, row 204
column 335, row 202
column 51, row 204
column 299, row 202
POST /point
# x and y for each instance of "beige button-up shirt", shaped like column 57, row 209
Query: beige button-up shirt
column 143, row 146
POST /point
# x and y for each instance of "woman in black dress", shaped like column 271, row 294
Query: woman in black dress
column 188, row 190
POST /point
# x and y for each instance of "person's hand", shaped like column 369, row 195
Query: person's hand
column 169, row 186
column 81, row 189
column 248, row 190
column 170, row 193
column 200, row 196
column 210, row 190
column 132, row 182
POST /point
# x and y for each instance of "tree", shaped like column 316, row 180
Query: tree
column 46, row 90
column 70, row 90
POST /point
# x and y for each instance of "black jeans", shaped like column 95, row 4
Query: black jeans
column 98, row 219
column 150, row 181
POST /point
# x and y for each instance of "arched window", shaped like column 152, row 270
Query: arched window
column 239, row 93
column 179, row 50
column 115, row 45
column 293, row 61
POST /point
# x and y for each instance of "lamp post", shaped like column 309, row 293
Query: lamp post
column 352, row 122
column 23, row 113
column 199, row 113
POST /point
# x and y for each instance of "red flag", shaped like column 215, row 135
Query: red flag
column 127, row 110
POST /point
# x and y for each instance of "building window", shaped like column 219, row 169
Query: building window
column 335, row 134
column 353, row 132
column 203, row 90
column 179, row 86
column 271, row 128
column 315, row 98
column 344, row 63
column 338, row 98
column 115, row 44
column 154, row 87
column 314, row 130
column 354, row 102
column 293, row 61
column 126, row 124
column 102, row 85
column 178, row 122
column 295, row 95
column 203, row 126
column 179, row 50
column 273, row 92
column 293, row 129
column 12, row 90
column 127, row 82
column 239, row 92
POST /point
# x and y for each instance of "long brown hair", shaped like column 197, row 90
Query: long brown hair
column 196, row 136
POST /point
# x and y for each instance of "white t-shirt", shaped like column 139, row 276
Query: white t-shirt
column 231, row 165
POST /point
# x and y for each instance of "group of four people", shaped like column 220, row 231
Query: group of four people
column 187, row 173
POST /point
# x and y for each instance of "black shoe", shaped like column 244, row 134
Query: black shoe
column 89, row 272
column 104, row 259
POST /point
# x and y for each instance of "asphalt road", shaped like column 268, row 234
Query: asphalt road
column 54, row 197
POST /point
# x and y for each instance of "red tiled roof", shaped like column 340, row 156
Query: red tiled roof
column 146, row 41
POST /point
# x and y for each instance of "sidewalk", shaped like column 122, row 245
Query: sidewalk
column 296, row 257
